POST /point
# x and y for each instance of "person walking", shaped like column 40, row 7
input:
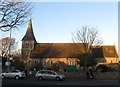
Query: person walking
column 88, row 74
column 26, row 73
column 30, row 73
column 91, row 73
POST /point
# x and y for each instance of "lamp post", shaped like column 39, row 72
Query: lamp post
column 9, row 54
column 85, row 66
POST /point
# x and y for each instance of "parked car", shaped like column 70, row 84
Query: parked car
column 13, row 74
column 49, row 74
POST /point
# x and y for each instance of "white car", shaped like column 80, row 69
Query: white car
column 49, row 74
column 13, row 74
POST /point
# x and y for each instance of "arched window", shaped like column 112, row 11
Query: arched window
column 111, row 61
column 35, row 61
column 70, row 62
column 27, row 44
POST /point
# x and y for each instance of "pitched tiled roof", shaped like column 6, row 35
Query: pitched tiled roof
column 29, row 36
column 109, row 51
column 55, row 50
column 67, row 50
column 104, row 51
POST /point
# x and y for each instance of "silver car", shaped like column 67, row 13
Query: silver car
column 13, row 74
column 49, row 74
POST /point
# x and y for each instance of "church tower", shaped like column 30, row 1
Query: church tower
column 28, row 42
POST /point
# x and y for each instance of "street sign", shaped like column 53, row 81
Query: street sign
column 71, row 67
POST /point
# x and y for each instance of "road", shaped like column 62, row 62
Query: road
column 33, row 81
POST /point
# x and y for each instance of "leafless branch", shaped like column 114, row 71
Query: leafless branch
column 13, row 14
column 7, row 44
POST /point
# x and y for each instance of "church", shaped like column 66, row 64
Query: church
column 47, row 54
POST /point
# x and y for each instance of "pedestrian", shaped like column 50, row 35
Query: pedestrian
column 26, row 73
column 30, row 73
column 88, row 74
column 91, row 73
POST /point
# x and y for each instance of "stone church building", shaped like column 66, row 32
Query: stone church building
column 46, row 54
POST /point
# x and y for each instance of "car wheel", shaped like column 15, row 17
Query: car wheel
column 40, row 78
column 16, row 77
column 58, row 78
column 3, row 76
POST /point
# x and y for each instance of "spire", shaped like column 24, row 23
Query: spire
column 30, row 23
column 29, row 34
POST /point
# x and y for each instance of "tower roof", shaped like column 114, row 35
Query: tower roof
column 29, row 36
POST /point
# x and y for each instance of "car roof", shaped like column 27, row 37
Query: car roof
column 47, row 70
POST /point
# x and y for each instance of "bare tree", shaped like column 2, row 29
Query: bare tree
column 7, row 45
column 13, row 14
column 89, row 37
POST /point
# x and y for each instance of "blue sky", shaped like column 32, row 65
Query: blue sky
column 53, row 22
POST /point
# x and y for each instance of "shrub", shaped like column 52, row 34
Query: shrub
column 19, row 65
column 55, row 66
column 103, row 68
